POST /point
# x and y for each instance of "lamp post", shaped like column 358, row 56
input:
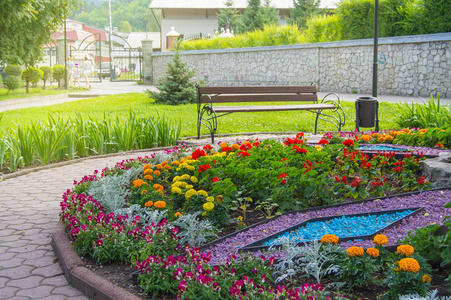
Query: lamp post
column 375, row 60
column 65, row 55
column 111, row 42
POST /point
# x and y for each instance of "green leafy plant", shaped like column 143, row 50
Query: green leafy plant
column 194, row 231
column 12, row 83
column 46, row 74
column 32, row 75
column 59, row 73
column 13, row 70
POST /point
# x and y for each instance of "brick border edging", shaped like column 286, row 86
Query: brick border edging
column 80, row 277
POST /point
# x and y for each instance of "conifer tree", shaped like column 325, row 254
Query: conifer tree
column 176, row 87
column 253, row 17
column 229, row 16
column 302, row 10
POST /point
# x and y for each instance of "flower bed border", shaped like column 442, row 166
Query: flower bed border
column 220, row 240
column 256, row 246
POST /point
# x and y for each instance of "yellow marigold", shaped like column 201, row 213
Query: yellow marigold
column 148, row 204
column 426, row 278
column 318, row 148
column 147, row 166
column 148, row 172
column 178, row 169
column 176, row 190
column 148, row 177
column 144, row 192
column 210, row 199
column 164, row 163
column 388, row 138
column 208, row 206
column 189, row 186
column 202, row 192
column 182, row 184
column 355, row 251
column 177, row 214
column 240, row 218
column 167, row 167
column 160, row 204
column 176, row 178
column 158, row 167
column 190, row 193
column 194, row 179
column 375, row 135
column 366, row 137
column 157, row 173
column 329, row 239
column 175, row 162
column 219, row 198
column 191, row 168
column 405, row 250
column 380, row 239
column 137, row 183
column 235, row 147
column 176, row 184
column 372, row 252
column 185, row 177
column 409, row 265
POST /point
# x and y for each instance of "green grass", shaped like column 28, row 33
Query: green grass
column 119, row 105
column 34, row 92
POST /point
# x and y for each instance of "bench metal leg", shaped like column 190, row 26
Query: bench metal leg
column 316, row 122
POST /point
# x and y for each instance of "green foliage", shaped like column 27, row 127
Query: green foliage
column 302, row 10
column 124, row 26
column 47, row 74
column 13, row 70
column 357, row 271
column 229, row 16
column 59, row 73
column 27, row 25
column 436, row 16
column 431, row 137
column 12, row 83
column 253, row 17
column 430, row 114
column 32, row 75
column 193, row 231
column 321, row 28
column 176, row 87
column 270, row 13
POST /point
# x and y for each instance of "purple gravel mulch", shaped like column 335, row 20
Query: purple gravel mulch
column 433, row 213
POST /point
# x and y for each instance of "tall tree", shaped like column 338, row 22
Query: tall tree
column 302, row 10
column 270, row 13
column 229, row 17
column 26, row 25
column 253, row 17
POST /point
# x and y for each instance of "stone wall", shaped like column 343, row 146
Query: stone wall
column 409, row 66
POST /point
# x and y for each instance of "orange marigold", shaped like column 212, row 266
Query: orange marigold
column 329, row 239
column 235, row 147
column 426, row 278
column 366, row 137
column 223, row 145
column 380, row 239
column 409, row 265
column 164, row 163
column 405, row 250
column 177, row 214
column 388, row 138
column 157, row 186
column 144, row 192
column 380, row 140
column 167, row 167
column 158, row 167
column 148, row 172
column 148, row 177
column 375, row 135
column 137, row 183
column 175, row 162
column 147, row 166
column 148, row 204
column 355, row 251
column 160, row 204
column 157, row 173
column 372, row 252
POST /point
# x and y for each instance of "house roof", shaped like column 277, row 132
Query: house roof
column 218, row 4
column 135, row 38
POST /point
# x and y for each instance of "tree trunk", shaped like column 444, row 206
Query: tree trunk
column 43, row 87
column 27, row 85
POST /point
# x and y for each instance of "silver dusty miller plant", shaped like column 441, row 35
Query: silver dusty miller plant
column 432, row 295
column 111, row 191
column 194, row 231
column 311, row 260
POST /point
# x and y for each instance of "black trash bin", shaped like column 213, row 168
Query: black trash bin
column 367, row 112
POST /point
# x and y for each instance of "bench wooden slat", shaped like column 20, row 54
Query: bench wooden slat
column 224, row 98
column 256, row 89
column 257, row 108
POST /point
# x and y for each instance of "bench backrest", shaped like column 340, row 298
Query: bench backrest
column 222, row 94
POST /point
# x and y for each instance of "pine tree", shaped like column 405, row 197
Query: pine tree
column 176, row 87
column 302, row 10
column 270, row 13
column 253, row 17
column 229, row 16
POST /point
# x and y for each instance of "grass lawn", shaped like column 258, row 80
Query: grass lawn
column 110, row 106
column 33, row 92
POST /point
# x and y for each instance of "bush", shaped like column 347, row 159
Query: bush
column 47, row 74
column 32, row 75
column 12, row 83
column 1, row 80
column 13, row 70
column 321, row 28
column 59, row 73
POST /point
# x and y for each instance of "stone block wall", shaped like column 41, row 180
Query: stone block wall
column 412, row 65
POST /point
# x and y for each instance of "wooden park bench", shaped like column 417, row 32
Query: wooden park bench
column 208, row 112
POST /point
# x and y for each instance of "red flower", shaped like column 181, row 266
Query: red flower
column 282, row 176
column 299, row 150
column 283, row 181
column 438, row 145
column 421, row 180
column 348, row 143
column 300, row 134
column 289, row 141
column 243, row 153
column 256, row 144
column 284, row 159
column 323, row 142
column 198, row 153
column 215, row 179
column 207, row 147
column 356, row 182
column 204, row 168
column 245, row 147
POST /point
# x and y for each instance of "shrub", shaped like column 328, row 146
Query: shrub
column 1, row 80
column 32, row 75
column 13, row 70
column 12, row 83
column 47, row 74
column 58, row 73
column 321, row 28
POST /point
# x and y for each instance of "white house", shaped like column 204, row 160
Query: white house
column 190, row 17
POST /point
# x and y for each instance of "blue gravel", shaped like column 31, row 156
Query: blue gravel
column 380, row 148
column 341, row 227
